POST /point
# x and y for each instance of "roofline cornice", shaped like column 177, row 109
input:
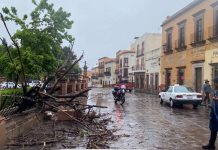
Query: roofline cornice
column 182, row 11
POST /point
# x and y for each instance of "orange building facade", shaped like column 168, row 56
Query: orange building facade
column 190, row 45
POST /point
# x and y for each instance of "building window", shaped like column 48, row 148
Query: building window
column 142, row 64
column 143, row 44
column 182, row 37
column 180, row 43
column 214, row 29
column 126, row 62
column 198, row 36
column 169, row 40
column 199, row 30
column 138, row 50
column 216, row 23
column 180, row 76
column 108, row 69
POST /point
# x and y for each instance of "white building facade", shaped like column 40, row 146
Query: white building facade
column 144, row 45
column 109, row 73
column 126, row 65
column 152, row 61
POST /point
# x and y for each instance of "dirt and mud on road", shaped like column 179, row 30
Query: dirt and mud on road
column 89, row 129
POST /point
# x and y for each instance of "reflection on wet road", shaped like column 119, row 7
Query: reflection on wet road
column 151, row 125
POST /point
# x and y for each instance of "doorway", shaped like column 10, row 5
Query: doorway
column 198, row 79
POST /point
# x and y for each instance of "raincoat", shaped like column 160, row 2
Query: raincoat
column 214, row 113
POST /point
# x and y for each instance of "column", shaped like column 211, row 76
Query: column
column 64, row 87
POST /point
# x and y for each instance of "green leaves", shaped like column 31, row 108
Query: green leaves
column 40, row 38
column 5, row 10
column 14, row 10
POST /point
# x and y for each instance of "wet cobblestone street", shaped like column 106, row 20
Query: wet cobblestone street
column 149, row 125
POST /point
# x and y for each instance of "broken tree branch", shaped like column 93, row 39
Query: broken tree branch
column 71, row 117
column 67, row 71
column 24, row 84
column 93, row 106
column 49, row 79
column 73, row 96
column 79, row 94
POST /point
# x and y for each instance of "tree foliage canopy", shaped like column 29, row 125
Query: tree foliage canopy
column 40, row 36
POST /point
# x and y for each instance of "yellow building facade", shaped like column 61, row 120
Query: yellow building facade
column 190, row 45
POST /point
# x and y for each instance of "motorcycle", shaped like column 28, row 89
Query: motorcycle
column 119, row 96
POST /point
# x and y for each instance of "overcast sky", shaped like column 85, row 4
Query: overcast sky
column 102, row 27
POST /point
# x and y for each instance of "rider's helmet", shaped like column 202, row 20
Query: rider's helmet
column 116, row 87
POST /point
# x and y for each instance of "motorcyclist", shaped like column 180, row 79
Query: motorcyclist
column 116, row 90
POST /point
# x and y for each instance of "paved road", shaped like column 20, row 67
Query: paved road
column 149, row 125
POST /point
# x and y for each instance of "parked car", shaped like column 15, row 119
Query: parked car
column 180, row 94
column 5, row 85
column 19, row 86
column 34, row 83
column 128, row 86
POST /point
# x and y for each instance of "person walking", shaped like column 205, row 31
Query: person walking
column 213, row 124
column 206, row 91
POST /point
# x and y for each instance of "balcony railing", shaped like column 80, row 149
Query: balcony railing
column 101, row 66
column 139, row 67
column 107, row 73
column 180, row 45
column 167, row 48
column 140, row 52
column 95, row 77
column 197, row 39
column 213, row 33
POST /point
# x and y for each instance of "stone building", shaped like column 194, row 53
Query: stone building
column 190, row 45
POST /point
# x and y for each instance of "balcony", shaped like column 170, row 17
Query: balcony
column 101, row 75
column 100, row 66
column 167, row 48
column 94, row 77
column 107, row 73
column 180, row 45
column 213, row 33
column 197, row 39
column 139, row 68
